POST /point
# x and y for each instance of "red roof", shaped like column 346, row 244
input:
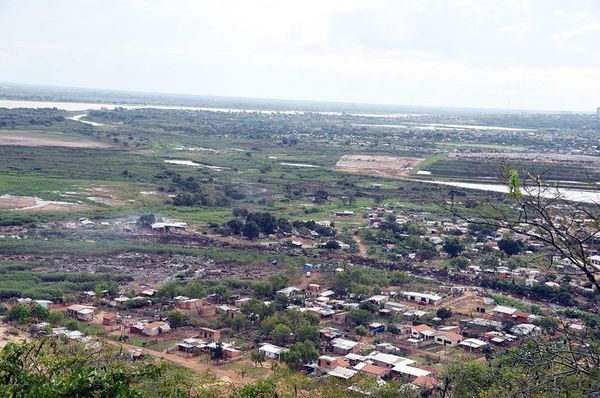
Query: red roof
column 423, row 328
column 375, row 370
column 425, row 381
column 451, row 335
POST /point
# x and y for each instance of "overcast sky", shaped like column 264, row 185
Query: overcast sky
column 503, row 54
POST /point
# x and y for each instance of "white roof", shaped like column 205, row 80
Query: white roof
column 355, row 357
column 342, row 373
column 273, row 349
column 473, row 343
column 429, row 296
column 343, row 343
column 524, row 329
column 410, row 370
column 288, row 290
column 389, row 359
column 505, row 310
column 377, row 297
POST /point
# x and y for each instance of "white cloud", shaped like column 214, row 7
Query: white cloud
column 529, row 54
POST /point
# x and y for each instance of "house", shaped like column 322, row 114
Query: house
column 376, row 328
column 156, row 328
column 414, row 314
column 394, row 306
column 504, row 312
column 289, row 291
column 148, row 292
column 328, row 362
column 410, row 371
column 388, row 360
column 595, row 261
column 329, row 333
column 342, row 373
column 168, row 226
column 343, row 346
column 241, row 301
column 119, row 301
column 81, row 312
column 209, row 334
column 227, row 310
column 109, row 319
column 339, row 318
column 422, row 298
column 422, row 332
column 448, row 339
column 271, row 351
column 191, row 346
column 372, row 370
column 188, row 304
column 378, row 299
column 472, row 344
column 314, row 287
column 45, row 304
column 425, row 382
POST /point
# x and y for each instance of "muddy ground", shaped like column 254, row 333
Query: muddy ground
column 147, row 269
column 45, row 140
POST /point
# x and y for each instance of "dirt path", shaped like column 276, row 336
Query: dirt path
column 362, row 248
column 191, row 363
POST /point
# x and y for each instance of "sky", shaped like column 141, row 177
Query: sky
column 507, row 54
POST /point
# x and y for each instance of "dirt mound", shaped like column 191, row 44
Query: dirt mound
column 382, row 166
column 43, row 140
column 29, row 203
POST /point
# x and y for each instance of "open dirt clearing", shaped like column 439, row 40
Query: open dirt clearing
column 11, row 138
column 30, row 203
column 381, row 166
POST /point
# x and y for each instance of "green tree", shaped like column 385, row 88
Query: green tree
column 281, row 333
column 459, row 262
column 361, row 330
column 510, row 246
column 360, row 317
column 299, row 354
column 453, row 247
column 176, row 319
column 444, row 313
column 251, row 230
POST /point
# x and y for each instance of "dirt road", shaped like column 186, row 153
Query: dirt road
column 362, row 248
column 191, row 363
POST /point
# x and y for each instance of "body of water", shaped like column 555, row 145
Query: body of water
column 575, row 195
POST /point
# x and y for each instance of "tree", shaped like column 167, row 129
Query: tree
column 236, row 226
column 332, row 245
column 176, row 319
column 281, row 334
column 307, row 332
column 19, row 313
column 299, row 354
column 238, row 323
column 361, row 330
column 459, row 262
column 251, row 230
column 217, row 353
column 453, row 247
column 221, row 292
column 240, row 212
column 444, row 313
column 145, row 221
column 510, row 246
column 257, row 357
column 262, row 289
column 360, row 317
